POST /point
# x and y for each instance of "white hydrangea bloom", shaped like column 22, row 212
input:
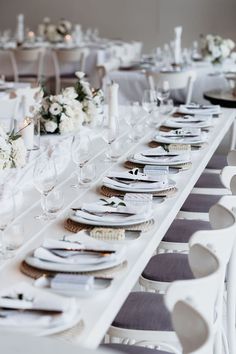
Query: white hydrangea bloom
column 55, row 109
column 18, row 152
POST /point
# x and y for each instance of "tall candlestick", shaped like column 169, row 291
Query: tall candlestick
column 27, row 133
column 20, row 29
column 177, row 45
column 113, row 107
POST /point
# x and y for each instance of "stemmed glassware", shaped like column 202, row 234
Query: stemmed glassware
column 81, row 154
column 150, row 104
column 45, row 179
column 110, row 136
column 132, row 118
column 7, row 214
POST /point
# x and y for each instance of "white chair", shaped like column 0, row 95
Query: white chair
column 177, row 81
column 192, row 328
column 196, row 206
column 140, row 311
column 8, row 113
column 74, row 56
column 8, row 54
column 27, row 98
column 28, row 57
column 104, row 69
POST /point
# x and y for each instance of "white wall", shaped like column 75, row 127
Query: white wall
column 151, row 21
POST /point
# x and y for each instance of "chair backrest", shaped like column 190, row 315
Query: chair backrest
column 231, row 158
column 192, row 328
column 227, row 174
column 68, row 55
column 202, row 292
column 30, row 55
column 10, row 58
column 8, row 112
column 27, row 99
column 177, row 80
column 104, row 69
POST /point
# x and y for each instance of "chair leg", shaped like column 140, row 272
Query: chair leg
column 231, row 303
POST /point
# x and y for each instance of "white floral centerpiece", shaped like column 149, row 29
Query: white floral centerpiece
column 91, row 99
column 12, row 150
column 55, row 32
column 216, row 49
column 61, row 113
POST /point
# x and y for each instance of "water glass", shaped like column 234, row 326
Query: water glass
column 88, row 174
column 80, row 153
column 14, row 237
column 7, row 214
column 166, row 106
column 45, row 179
column 54, row 203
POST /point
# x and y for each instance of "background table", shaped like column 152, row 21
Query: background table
column 224, row 98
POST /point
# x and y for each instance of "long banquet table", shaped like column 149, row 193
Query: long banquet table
column 98, row 311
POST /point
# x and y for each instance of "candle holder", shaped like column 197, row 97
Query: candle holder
column 31, row 133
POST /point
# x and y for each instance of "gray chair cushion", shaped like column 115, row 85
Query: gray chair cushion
column 209, row 180
column 217, row 162
column 181, row 230
column 200, row 203
column 131, row 349
column 168, row 267
column 144, row 311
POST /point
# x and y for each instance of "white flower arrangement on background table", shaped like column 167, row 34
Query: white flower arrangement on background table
column 55, row 32
column 216, row 49
column 12, row 150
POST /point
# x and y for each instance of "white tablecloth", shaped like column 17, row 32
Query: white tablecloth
column 133, row 83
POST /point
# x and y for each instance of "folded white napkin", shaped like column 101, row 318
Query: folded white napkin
column 165, row 159
column 135, row 175
column 33, row 299
column 74, row 258
column 111, row 218
column 75, row 243
column 183, row 140
column 198, row 109
column 134, row 185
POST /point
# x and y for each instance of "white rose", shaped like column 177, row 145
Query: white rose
column 69, row 111
column 66, row 125
column 18, row 152
column 80, row 75
column 55, row 109
column 70, row 93
column 50, row 126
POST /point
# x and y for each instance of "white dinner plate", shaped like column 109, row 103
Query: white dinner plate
column 106, row 222
column 156, row 161
column 76, row 268
column 180, row 140
column 174, row 123
column 127, row 188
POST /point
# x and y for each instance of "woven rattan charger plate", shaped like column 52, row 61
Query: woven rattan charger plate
column 36, row 273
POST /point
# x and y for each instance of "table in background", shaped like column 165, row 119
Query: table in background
column 132, row 83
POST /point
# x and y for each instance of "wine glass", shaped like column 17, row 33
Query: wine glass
column 7, row 213
column 81, row 154
column 110, row 136
column 149, row 104
column 163, row 91
column 45, row 179
column 132, row 118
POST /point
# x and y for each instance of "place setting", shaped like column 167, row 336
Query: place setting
column 172, row 157
column 187, row 121
column 196, row 109
column 74, row 265
column 25, row 308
